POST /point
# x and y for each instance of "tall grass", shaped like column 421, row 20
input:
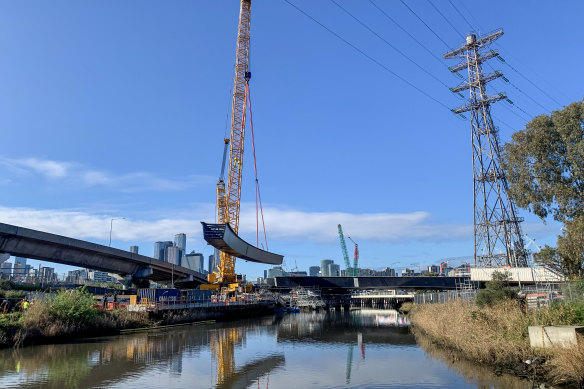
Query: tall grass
column 498, row 334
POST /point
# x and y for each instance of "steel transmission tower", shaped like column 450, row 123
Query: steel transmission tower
column 497, row 234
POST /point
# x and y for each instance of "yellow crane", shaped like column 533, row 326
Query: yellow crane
column 228, row 200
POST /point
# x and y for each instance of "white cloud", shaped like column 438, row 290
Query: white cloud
column 322, row 226
column 288, row 225
column 79, row 175
column 48, row 168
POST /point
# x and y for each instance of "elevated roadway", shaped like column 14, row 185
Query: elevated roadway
column 28, row 243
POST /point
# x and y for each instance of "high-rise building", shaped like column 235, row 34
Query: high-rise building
column 100, row 276
column 19, row 266
column 433, row 269
column 160, row 249
column 407, row 272
column 173, row 255
column 212, row 265
column 6, row 268
column 265, row 273
column 313, row 271
column 195, row 261
column 134, row 249
column 180, row 241
column 334, row 270
column 324, row 267
column 276, row 271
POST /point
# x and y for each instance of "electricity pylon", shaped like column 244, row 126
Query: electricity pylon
column 497, row 234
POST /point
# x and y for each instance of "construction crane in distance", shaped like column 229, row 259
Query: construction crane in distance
column 350, row 270
column 355, row 258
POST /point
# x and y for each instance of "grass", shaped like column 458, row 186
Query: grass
column 498, row 334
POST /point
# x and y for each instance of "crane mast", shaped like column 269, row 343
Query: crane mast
column 345, row 253
column 355, row 258
column 228, row 199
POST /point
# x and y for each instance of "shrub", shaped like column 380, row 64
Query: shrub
column 496, row 290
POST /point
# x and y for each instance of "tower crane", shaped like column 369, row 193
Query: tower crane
column 355, row 258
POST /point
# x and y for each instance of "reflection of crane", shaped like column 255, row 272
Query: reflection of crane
column 222, row 344
column 350, row 270
column 228, row 201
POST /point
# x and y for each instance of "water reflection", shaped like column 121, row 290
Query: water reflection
column 364, row 348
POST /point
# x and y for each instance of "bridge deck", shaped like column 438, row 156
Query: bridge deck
column 223, row 238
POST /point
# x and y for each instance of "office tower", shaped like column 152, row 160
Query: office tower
column 276, row 271
column 134, row 249
column 180, row 241
column 334, row 270
column 265, row 273
column 324, row 267
column 173, row 255
column 160, row 249
column 433, row 269
column 7, row 268
column 195, row 261
column 211, row 263
column 313, row 271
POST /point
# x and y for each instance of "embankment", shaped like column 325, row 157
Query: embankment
column 73, row 313
column 498, row 336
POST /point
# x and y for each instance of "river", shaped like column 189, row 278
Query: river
column 334, row 349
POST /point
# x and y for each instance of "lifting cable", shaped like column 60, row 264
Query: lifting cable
column 257, row 184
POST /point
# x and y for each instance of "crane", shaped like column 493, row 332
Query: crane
column 228, row 199
column 355, row 258
column 350, row 270
column 442, row 266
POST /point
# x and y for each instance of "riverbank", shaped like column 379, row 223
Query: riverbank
column 73, row 313
column 498, row 335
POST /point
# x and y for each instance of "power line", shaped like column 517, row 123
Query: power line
column 460, row 13
column 429, row 28
column 389, row 44
column 445, row 18
column 470, row 13
column 367, row 55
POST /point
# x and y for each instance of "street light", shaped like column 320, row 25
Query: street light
column 112, row 226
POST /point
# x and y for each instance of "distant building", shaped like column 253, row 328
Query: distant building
column 6, row 268
column 100, row 276
column 160, row 249
column 407, row 272
column 276, row 271
column 324, row 267
column 194, row 261
column 20, row 269
column 387, row 272
column 313, row 271
column 334, row 270
column 174, row 255
column 433, row 269
column 180, row 241
column 212, row 265
column 46, row 274
column 77, row 276
column 260, row 281
column 134, row 249
column 265, row 273
column 301, row 273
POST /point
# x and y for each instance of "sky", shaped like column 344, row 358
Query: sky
column 119, row 110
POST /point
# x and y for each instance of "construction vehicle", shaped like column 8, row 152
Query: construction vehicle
column 351, row 271
column 223, row 234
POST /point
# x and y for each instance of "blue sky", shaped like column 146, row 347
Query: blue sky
column 119, row 109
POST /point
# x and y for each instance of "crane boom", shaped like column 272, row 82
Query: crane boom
column 355, row 258
column 228, row 200
column 345, row 254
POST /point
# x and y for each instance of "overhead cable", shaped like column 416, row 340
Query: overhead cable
column 389, row 44
column 366, row 55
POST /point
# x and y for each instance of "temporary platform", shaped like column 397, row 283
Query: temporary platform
column 223, row 238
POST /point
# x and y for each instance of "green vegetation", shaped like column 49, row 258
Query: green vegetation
column 68, row 312
column 496, row 290
column 545, row 167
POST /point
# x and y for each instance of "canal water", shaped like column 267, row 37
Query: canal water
column 334, row 349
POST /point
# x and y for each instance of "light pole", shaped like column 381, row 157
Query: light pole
column 112, row 226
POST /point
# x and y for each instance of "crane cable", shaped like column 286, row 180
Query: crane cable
column 258, row 197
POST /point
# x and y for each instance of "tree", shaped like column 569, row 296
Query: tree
column 544, row 164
